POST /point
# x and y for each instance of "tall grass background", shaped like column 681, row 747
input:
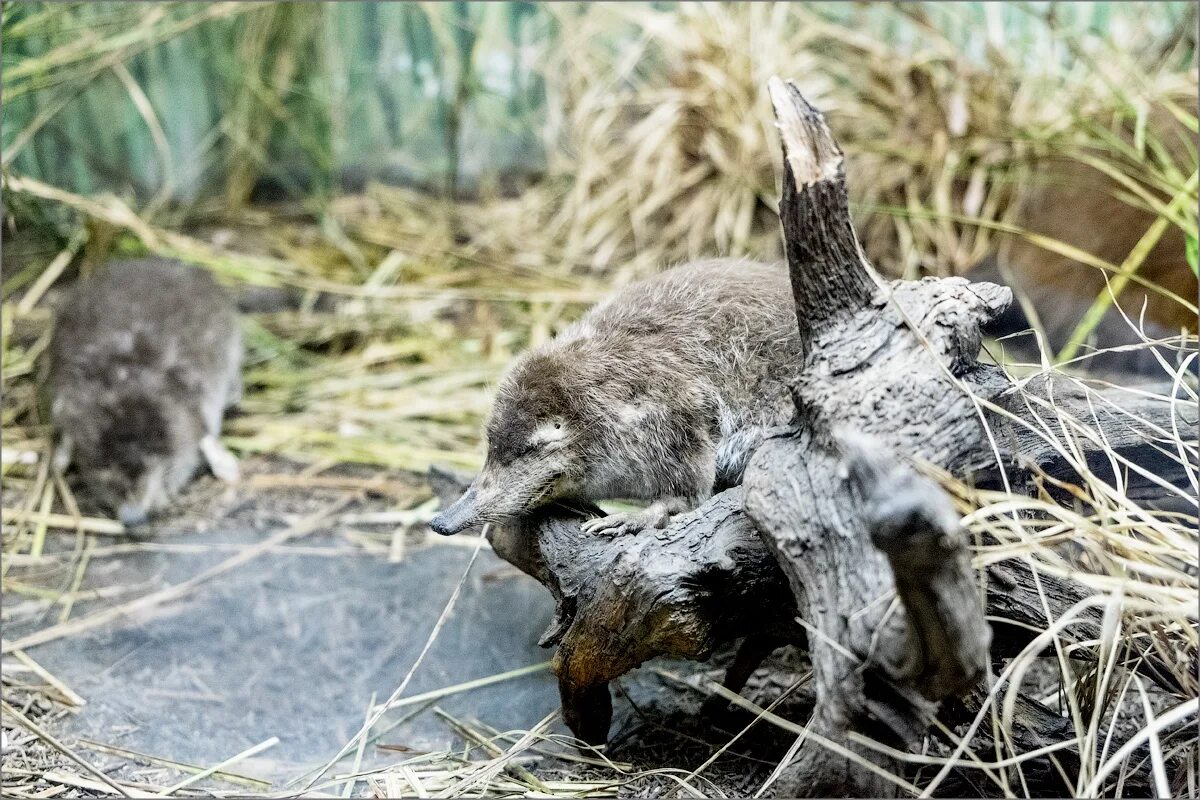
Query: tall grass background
column 462, row 179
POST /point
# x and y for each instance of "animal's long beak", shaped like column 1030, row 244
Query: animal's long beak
column 458, row 517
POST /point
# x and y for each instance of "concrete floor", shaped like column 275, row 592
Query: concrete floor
column 293, row 644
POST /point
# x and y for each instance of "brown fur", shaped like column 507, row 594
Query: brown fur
column 660, row 393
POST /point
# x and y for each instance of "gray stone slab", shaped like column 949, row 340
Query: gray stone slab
column 294, row 646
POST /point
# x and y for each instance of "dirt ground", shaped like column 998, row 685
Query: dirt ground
column 297, row 641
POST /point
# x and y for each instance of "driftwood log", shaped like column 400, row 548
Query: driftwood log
column 709, row 580
column 836, row 542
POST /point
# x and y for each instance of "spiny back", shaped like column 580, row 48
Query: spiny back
column 148, row 314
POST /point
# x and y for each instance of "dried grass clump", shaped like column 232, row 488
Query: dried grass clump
column 665, row 151
column 1130, row 724
column 667, row 136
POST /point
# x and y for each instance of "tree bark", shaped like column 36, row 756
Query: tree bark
column 679, row 592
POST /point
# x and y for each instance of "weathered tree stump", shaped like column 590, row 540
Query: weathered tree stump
column 836, row 542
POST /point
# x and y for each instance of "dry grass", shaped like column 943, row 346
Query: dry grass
column 648, row 166
column 1143, row 567
column 667, row 149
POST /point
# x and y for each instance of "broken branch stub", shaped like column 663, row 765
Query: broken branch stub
column 851, row 524
column 911, row 520
column 817, row 237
